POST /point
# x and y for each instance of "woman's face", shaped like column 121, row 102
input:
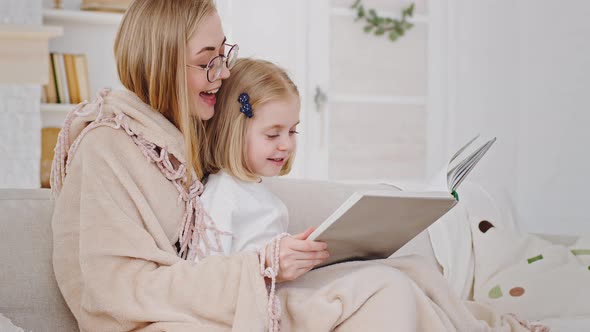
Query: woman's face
column 205, row 44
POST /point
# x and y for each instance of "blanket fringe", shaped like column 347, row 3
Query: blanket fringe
column 197, row 224
column 274, row 304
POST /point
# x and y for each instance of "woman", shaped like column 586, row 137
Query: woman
column 121, row 221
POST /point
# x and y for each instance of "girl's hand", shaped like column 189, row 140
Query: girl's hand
column 297, row 255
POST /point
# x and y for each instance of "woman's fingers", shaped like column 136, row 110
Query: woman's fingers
column 309, row 255
column 305, row 234
column 304, row 245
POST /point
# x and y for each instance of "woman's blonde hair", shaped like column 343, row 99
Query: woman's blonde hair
column 150, row 50
column 263, row 81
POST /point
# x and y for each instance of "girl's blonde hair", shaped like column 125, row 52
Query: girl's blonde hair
column 150, row 51
column 263, row 81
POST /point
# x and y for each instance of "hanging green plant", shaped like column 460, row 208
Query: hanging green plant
column 380, row 26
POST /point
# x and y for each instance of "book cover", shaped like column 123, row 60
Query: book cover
column 72, row 79
column 61, row 79
column 375, row 224
column 59, row 97
column 48, row 140
column 81, row 65
column 49, row 88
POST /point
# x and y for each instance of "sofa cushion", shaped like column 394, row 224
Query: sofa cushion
column 7, row 326
column 29, row 295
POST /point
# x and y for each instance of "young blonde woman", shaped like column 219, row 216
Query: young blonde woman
column 126, row 177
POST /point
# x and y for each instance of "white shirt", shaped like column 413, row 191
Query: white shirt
column 247, row 210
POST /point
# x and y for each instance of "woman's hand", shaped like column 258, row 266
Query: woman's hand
column 297, row 255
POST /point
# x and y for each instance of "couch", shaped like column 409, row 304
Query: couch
column 29, row 295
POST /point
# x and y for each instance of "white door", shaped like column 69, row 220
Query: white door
column 375, row 108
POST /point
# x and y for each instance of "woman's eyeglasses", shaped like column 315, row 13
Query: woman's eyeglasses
column 215, row 66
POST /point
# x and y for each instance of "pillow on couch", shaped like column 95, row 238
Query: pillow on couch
column 528, row 276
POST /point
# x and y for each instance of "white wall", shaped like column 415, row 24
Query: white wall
column 520, row 71
column 20, row 120
column 555, row 115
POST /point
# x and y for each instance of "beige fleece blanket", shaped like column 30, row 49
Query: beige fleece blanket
column 397, row 294
column 117, row 218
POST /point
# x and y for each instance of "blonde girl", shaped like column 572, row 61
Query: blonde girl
column 253, row 136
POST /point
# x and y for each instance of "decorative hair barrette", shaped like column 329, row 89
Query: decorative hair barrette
column 246, row 108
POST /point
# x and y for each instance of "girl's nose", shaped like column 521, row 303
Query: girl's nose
column 286, row 144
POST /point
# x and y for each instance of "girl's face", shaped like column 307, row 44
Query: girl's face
column 271, row 136
column 205, row 44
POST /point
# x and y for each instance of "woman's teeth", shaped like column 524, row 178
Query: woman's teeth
column 211, row 92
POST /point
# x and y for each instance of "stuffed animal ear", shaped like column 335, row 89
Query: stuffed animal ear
column 485, row 225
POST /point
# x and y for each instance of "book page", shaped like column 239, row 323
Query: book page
column 458, row 173
column 450, row 176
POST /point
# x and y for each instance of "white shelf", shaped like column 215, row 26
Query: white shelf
column 81, row 16
column 23, row 53
column 54, row 115
column 57, row 107
column 20, row 32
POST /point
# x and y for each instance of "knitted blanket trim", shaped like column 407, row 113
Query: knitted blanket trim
column 271, row 272
column 198, row 232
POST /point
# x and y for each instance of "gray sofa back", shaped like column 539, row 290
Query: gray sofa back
column 29, row 295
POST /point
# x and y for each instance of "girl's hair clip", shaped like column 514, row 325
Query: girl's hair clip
column 246, row 108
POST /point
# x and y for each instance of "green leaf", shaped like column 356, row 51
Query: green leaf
column 379, row 26
column 361, row 11
column 410, row 10
column 393, row 36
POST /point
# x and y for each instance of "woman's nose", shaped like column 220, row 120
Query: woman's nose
column 224, row 72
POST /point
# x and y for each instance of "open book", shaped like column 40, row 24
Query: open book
column 373, row 224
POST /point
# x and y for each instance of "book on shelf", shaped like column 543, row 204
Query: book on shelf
column 48, row 141
column 373, row 224
column 105, row 5
column 81, row 65
column 49, row 88
column 60, row 78
column 68, row 79
column 72, row 80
